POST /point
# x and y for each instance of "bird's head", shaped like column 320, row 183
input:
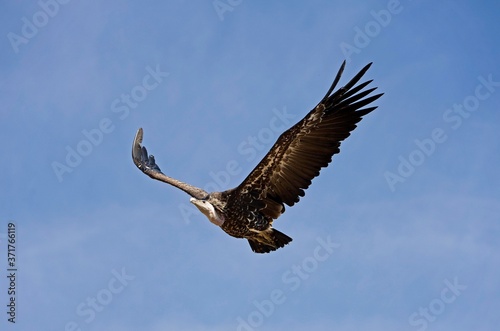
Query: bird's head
column 208, row 210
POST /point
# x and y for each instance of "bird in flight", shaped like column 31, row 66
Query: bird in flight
column 248, row 210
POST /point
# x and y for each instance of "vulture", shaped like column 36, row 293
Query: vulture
column 282, row 176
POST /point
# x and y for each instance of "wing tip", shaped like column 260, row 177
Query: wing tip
column 138, row 136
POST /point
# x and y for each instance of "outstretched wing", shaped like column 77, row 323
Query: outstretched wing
column 148, row 166
column 300, row 152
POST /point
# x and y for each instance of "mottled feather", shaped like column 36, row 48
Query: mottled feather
column 300, row 152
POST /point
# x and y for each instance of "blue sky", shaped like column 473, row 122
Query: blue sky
column 400, row 232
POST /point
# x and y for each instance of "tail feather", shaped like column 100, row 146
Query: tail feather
column 276, row 239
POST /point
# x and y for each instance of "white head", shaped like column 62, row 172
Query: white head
column 208, row 210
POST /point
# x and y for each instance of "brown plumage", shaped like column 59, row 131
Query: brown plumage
column 286, row 171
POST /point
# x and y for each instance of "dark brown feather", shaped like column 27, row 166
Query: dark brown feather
column 300, row 152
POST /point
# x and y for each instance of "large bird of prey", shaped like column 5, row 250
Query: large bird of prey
column 281, row 177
